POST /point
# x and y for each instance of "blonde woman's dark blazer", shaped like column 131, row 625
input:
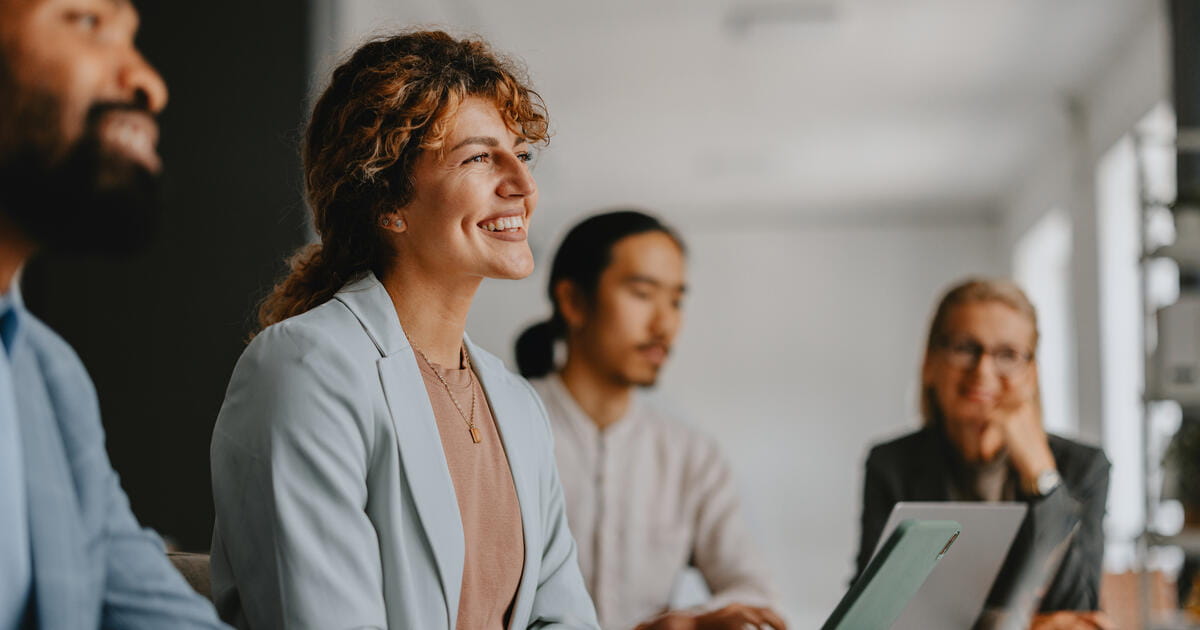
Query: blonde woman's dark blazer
column 917, row 467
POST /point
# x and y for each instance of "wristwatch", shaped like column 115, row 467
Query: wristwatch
column 1046, row 482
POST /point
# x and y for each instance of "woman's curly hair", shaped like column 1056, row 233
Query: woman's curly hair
column 393, row 99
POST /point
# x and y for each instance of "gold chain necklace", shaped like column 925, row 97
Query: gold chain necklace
column 470, row 420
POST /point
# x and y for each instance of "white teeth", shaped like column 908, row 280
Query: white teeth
column 506, row 223
column 132, row 138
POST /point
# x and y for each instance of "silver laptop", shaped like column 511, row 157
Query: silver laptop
column 954, row 594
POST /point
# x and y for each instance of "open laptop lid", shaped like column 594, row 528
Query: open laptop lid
column 978, row 514
column 955, row 592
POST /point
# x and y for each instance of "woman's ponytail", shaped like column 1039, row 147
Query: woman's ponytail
column 313, row 280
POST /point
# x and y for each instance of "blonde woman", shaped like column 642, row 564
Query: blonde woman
column 983, row 441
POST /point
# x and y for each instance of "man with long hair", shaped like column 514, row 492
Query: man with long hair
column 647, row 495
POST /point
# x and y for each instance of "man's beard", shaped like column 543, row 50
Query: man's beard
column 91, row 200
column 644, row 381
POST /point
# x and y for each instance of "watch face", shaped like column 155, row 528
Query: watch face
column 1047, row 482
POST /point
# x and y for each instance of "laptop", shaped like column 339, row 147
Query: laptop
column 954, row 595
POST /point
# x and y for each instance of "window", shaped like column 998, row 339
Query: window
column 1042, row 266
column 1140, row 165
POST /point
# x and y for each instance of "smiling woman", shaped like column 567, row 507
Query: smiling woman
column 371, row 467
column 384, row 122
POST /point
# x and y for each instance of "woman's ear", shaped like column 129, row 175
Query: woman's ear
column 393, row 222
column 571, row 304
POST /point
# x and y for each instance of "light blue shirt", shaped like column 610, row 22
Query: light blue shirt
column 15, row 563
column 72, row 555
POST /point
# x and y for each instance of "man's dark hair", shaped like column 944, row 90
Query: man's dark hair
column 585, row 253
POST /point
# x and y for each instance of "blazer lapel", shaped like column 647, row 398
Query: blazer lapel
column 514, row 415
column 425, row 468
column 930, row 483
column 421, row 454
column 60, row 584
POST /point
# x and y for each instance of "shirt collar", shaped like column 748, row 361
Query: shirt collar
column 11, row 306
column 580, row 418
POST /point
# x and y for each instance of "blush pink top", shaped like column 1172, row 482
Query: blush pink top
column 487, row 501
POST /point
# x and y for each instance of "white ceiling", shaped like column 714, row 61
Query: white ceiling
column 846, row 106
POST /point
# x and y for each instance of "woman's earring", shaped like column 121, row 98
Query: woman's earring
column 399, row 223
column 387, row 223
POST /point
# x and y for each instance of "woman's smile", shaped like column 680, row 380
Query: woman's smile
column 505, row 228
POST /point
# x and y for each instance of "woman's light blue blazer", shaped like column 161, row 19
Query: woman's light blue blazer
column 334, row 503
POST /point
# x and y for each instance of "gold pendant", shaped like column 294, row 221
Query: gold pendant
column 475, row 435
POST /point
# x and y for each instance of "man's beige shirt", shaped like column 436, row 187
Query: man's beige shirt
column 646, row 498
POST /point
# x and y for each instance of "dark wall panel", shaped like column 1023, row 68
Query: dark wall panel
column 1185, row 72
column 160, row 333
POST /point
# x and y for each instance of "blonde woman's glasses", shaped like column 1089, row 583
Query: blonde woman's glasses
column 967, row 354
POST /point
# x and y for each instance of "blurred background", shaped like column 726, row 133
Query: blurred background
column 832, row 164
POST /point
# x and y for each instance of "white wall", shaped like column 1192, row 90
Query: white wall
column 800, row 348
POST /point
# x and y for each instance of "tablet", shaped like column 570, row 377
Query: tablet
column 893, row 575
column 953, row 596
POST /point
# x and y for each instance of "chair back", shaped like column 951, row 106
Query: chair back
column 194, row 568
